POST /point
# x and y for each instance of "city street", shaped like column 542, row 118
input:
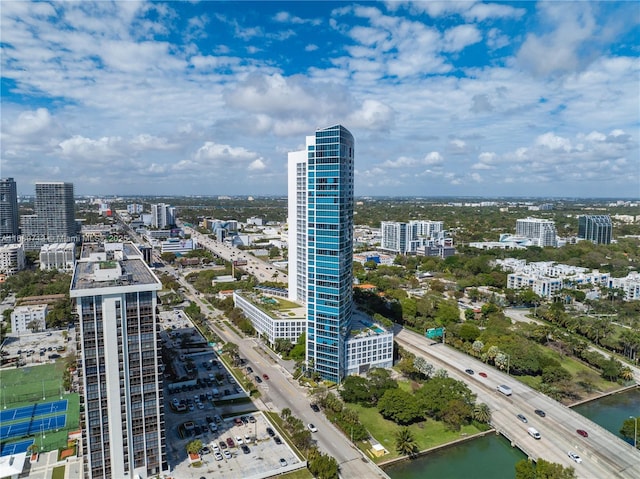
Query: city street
column 281, row 391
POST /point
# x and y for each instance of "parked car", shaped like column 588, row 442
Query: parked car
column 245, row 449
column 252, row 419
column 226, row 454
column 265, row 377
column 230, row 442
column 283, row 462
column 270, row 432
column 239, row 440
column 258, row 379
column 484, row 375
column 218, row 456
column 277, row 440
column 222, row 444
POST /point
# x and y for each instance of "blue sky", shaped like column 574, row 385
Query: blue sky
column 451, row 98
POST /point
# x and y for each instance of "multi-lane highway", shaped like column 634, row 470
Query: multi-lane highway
column 262, row 270
column 603, row 454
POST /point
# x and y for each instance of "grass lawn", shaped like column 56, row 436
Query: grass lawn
column 299, row 474
column 25, row 385
column 58, row 472
column 427, row 434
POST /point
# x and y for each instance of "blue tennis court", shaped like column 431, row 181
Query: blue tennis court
column 34, row 410
column 34, row 426
column 15, row 447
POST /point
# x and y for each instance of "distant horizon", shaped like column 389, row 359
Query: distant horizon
column 390, row 197
column 449, row 99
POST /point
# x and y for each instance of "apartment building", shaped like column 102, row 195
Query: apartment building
column 115, row 295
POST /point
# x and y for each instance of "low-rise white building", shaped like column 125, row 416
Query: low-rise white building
column 368, row 346
column 546, row 278
column 273, row 324
column 60, row 256
column 177, row 245
column 630, row 284
column 25, row 319
column 12, row 259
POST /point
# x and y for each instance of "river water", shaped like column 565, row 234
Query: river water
column 492, row 456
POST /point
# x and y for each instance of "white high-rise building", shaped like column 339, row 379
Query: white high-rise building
column 396, row 237
column 162, row 215
column 542, row 232
column 115, row 295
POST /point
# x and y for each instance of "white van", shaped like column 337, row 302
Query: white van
column 533, row 432
column 504, row 389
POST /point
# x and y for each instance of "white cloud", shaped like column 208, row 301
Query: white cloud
column 257, row 165
column 219, row 153
column 31, row 123
column 460, row 37
column 87, row 149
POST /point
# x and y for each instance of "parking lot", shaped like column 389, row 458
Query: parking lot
column 40, row 348
column 238, row 441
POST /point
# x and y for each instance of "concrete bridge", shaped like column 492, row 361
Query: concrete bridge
column 603, row 454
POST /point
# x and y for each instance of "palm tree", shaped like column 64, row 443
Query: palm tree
column 405, row 442
column 626, row 373
column 482, row 413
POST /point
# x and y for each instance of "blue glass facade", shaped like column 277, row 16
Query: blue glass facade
column 329, row 250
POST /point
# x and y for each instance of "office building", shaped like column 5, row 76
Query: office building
column 595, row 228
column 162, row 216
column 541, row 232
column 9, row 225
column 115, row 295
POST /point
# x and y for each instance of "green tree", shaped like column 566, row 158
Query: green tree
column 630, row 428
column 399, row 406
column 323, row 466
column 194, row 446
column 405, row 442
column 168, row 257
column 355, row 389
column 482, row 413
column 543, row 470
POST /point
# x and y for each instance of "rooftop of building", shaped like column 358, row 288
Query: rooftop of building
column 274, row 306
column 110, row 265
column 57, row 246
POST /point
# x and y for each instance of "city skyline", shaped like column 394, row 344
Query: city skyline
column 445, row 99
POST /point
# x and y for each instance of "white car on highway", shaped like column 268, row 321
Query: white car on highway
column 575, row 457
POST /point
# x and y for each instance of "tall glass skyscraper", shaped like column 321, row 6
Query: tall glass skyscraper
column 321, row 244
